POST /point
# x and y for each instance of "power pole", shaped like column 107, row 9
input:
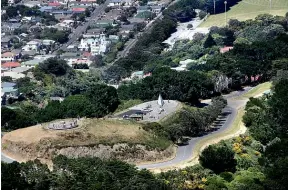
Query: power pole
column 225, row 2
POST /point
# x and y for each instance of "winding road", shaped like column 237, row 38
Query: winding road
column 185, row 153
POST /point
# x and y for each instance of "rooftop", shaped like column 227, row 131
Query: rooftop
column 11, row 64
column 7, row 84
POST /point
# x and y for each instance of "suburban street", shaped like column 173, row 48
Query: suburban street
column 185, row 152
column 82, row 28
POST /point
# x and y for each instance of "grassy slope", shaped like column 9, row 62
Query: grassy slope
column 258, row 90
column 248, row 9
column 91, row 132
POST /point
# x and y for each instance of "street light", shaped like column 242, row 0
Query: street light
column 225, row 2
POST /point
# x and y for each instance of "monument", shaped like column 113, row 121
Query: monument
column 160, row 101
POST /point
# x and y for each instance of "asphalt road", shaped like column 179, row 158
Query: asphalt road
column 185, row 152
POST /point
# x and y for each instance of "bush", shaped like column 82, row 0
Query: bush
column 218, row 158
column 202, row 14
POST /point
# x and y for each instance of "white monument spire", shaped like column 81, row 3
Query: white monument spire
column 160, row 101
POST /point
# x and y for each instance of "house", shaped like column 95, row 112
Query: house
column 32, row 45
column 27, row 19
column 14, row 20
column 143, row 9
column 103, row 23
column 96, row 31
column 137, row 74
column 62, row 12
column 152, row 3
column 6, row 42
column 54, row 4
column 73, row 62
column 8, row 56
column 225, row 49
column 44, row 57
column 13, row 75
column 78, row 10
column 114, row 3
column 156, row 9
column 31, row 63
column 70, row 55
column 9, row 27
column 113, row 38
column 97, row 46
column 11, row 65
column 9, row 89
column 47, row 9
column 31, row 4
column 127, row 28
column 48, row 42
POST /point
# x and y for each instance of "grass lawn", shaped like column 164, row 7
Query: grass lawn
column 258, row 90
column 247, row 9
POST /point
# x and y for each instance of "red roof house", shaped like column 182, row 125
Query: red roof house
column 78, row 9
column 225, row 49
column 11, row 65
column 54, row 4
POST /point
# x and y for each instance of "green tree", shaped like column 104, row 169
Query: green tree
column 218, row 158
column 209, row 42
column 11, row 177
column 55, row 66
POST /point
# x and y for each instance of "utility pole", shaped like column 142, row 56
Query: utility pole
column 225, row 2
column 214, row 7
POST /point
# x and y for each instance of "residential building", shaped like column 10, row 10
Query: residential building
column 32, row 4
column 8, row 27
column 48, row 42
column 8, row 56
column 13, row 75
column 6, row 42
column 103, row 23
column 143, row 9
column 226, row 49
column 47, row 9
column 114, row 3
column 10, row 65
column 156, row 9
column 9, row 89
column 97, row 46
column 32, row 45
column 31, row 63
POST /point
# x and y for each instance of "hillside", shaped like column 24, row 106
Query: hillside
column 247, row 9
column 124, row 140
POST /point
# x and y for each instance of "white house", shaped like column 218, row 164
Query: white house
column 114, row 3
column 97, row 46
column 48, row 42
column 30, row 46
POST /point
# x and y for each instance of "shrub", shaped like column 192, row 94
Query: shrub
column 218, row 158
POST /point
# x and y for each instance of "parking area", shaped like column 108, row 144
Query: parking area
column 150, row 111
